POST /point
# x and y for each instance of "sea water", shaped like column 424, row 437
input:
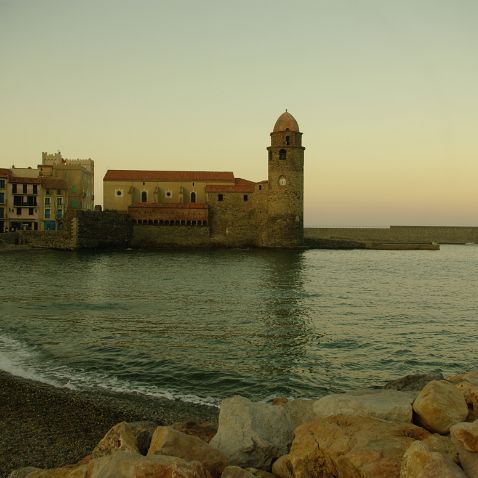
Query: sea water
column 202, row 325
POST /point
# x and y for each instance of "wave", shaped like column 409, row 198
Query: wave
column 23, row 361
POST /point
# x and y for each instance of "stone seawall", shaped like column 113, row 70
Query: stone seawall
column 169, row 236
column 398, row 234
column 97, row 229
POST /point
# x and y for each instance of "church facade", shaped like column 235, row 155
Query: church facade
column 214, row 207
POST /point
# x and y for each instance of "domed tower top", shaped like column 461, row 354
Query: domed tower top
column 286, row 122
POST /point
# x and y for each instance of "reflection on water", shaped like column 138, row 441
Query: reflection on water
column 201, row 325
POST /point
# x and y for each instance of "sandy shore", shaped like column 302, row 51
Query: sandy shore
column 45, row 426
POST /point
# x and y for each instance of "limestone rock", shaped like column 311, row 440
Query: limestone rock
column 439, row 406
column 23, row 472
column 420, row 462
column 471, row 377
column 413, row 382
column 237, row 472
column 470, row 392
column 386, row 404
column 203, row 430
column 299, row 411
column 348, row 446
column 465, row 438
column 121, row 464
column 252, row 434
column 132, row 437
column 74, row 471
column 467, row 434
column 168, row 441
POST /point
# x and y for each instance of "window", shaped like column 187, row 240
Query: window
column 2, row 214
column 74, row 203
column 2, row 183
column 31, row 201
column 144, row 196
column 47, row 213
column 282, row 181
column 19, row 211
column 119, row 193
column 2, row 198
column 59, row 213
column 47, row 192
column 270, row 155
column 25, row 188
column 169, row 194
column 282, row 154
column 246, row 198
column 287, row 140
column 14, row 188
column 260, row 187
column 17, row 200
column 35, row 189
column 47, row 201
column 59, row 201
column 220, row 197
column 193, row 197
column 30, row 211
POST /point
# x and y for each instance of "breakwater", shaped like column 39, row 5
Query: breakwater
column 397, row 234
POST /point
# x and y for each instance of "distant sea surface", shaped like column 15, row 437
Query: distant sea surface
column 199, row 326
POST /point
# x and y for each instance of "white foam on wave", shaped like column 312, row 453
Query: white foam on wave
column 17, row 359
column 20, row 360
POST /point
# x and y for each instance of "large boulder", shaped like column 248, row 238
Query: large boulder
column 468, row 384
column 132, row 437
column 465, row 438
column 439, row 406
column 122, row 464
column 348, row 446
column 413, row 382
column 168, row 441
column 74, row 471
column 203, row 430
column 421, row 462
column 386, row 404
column 251, row 433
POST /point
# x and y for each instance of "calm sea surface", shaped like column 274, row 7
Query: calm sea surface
column 200, row 326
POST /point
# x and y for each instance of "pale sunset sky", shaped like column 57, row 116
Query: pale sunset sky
column 385, row 92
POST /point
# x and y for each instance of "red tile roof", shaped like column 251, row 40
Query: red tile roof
column 18, row 179
column 239, row 186
column 135, row 175
column 168, row 205
column 4, row 173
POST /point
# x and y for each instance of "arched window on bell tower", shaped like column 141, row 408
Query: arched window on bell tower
column 287, row 140
column 193, row 197
column 144, row 196
column 282, row 154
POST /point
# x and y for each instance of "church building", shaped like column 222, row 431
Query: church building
column 214, row 207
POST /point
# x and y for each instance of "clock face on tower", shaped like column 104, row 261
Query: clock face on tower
column 282, row 181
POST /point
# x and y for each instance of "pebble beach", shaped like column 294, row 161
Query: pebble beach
column 45, row 426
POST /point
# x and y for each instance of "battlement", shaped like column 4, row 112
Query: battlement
column 57, row 160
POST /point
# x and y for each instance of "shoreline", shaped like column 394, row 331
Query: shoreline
column 47, row 426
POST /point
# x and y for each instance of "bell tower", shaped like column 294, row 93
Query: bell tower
column 285, row 200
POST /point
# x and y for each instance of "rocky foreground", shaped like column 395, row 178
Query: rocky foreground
column 417, row 427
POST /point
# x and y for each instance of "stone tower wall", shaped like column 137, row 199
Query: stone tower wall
column 285, row 202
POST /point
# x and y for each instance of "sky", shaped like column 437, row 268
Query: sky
column 385, row 92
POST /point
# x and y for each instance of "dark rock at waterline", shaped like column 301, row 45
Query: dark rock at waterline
column 413, row 382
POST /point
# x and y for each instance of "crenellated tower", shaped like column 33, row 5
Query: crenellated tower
column 285, row 200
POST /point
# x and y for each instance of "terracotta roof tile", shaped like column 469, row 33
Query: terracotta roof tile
column 18, row 179
column 239, row 186
column 4, row 173
column 136, row 175
column 168, row 205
